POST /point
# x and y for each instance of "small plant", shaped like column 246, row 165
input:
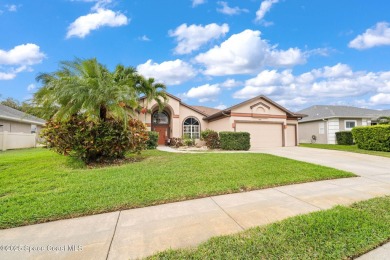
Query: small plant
column 211, row 138
column 152, row 143
column 344, row 138
column 176, row 142
column 188, row 141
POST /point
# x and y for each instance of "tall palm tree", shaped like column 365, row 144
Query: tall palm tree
column 152, row 91
column 88, row 87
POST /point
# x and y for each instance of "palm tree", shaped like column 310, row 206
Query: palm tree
column 152, row 91
column 88, row 87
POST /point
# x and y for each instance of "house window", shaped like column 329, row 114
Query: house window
column 33, row 129
column 191, row 128
column 349, row 124
column 160, row 118
column 321, row 128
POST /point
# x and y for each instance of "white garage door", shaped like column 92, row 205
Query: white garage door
column 291, row 135
column 262, row 134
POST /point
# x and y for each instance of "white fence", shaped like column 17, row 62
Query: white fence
column 16, row 140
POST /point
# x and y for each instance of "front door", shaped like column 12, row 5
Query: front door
column 162, row 134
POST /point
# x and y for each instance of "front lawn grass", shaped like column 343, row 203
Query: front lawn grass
column 38, row 185
column 346, row 148
column 338, row 233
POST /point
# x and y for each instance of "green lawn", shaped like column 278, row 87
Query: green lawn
column 347, row 148
column 338, row 233
column 38, row 185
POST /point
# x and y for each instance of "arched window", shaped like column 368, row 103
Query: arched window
column 160, row 118
column 191, row 127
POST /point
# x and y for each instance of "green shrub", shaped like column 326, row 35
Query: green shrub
column 95, row 141
column 152, row 142
column 344, row 138
column 188, row 141
column 375, row 138
column 235, row 140
column 211, row 138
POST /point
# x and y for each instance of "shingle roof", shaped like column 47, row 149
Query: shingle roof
column 207, row 110
column 322, row 112
column 16, row 115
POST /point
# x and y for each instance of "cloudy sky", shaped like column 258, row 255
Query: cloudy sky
column 212, row 53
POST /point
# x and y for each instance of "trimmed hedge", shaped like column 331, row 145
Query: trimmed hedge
column 375, row 138
column 235, row 140
column 344, row 138
column 152, row 142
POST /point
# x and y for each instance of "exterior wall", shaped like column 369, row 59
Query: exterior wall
column 223, row 124
column 16, row 140
column 178, row 113
column 264, row 108
column 359, row 122
column 15, row 127
column 185, row 112
column 333, row 126
column 307, row 129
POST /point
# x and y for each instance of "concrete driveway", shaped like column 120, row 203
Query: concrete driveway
column 368, row 166
column 136, row 233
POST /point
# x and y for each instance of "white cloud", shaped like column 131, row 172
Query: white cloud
column 7, row 75
column 251, row 91
column 245, row 53
column 191, row 38
column 12, row 8
column 328, row 83
column 204, row 93
column 24, row 54
column 376, row 36
column 31, row 87
column 220, row 107
column 83, row 25
column 198, row 2
column 226, row 9
column 169, row 72
column 231, row 83
column 144, row 38
column 265, row 6
column 380, row 99
column 18, row 59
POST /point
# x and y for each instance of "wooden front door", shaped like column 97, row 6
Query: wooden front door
column 162, row 134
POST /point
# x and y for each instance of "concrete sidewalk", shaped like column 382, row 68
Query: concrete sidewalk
column 141, row 232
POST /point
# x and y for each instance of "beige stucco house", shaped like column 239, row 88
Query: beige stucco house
column 269, row 124
column 323, row 121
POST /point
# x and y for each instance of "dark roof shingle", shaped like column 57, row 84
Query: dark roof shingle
column 318, row 112
column 7, row 112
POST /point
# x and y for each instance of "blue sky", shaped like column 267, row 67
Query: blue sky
column 212, row 53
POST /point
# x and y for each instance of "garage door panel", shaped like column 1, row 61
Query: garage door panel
column 263, row 134
column 291, row 135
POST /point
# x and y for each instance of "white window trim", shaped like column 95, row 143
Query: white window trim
column 345, row 124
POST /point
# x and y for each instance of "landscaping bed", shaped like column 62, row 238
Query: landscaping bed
column 38, row 185
column 339, row 233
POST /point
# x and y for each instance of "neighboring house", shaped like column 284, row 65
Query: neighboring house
column 269, row 124
column 324, row 121
column 15, row 121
